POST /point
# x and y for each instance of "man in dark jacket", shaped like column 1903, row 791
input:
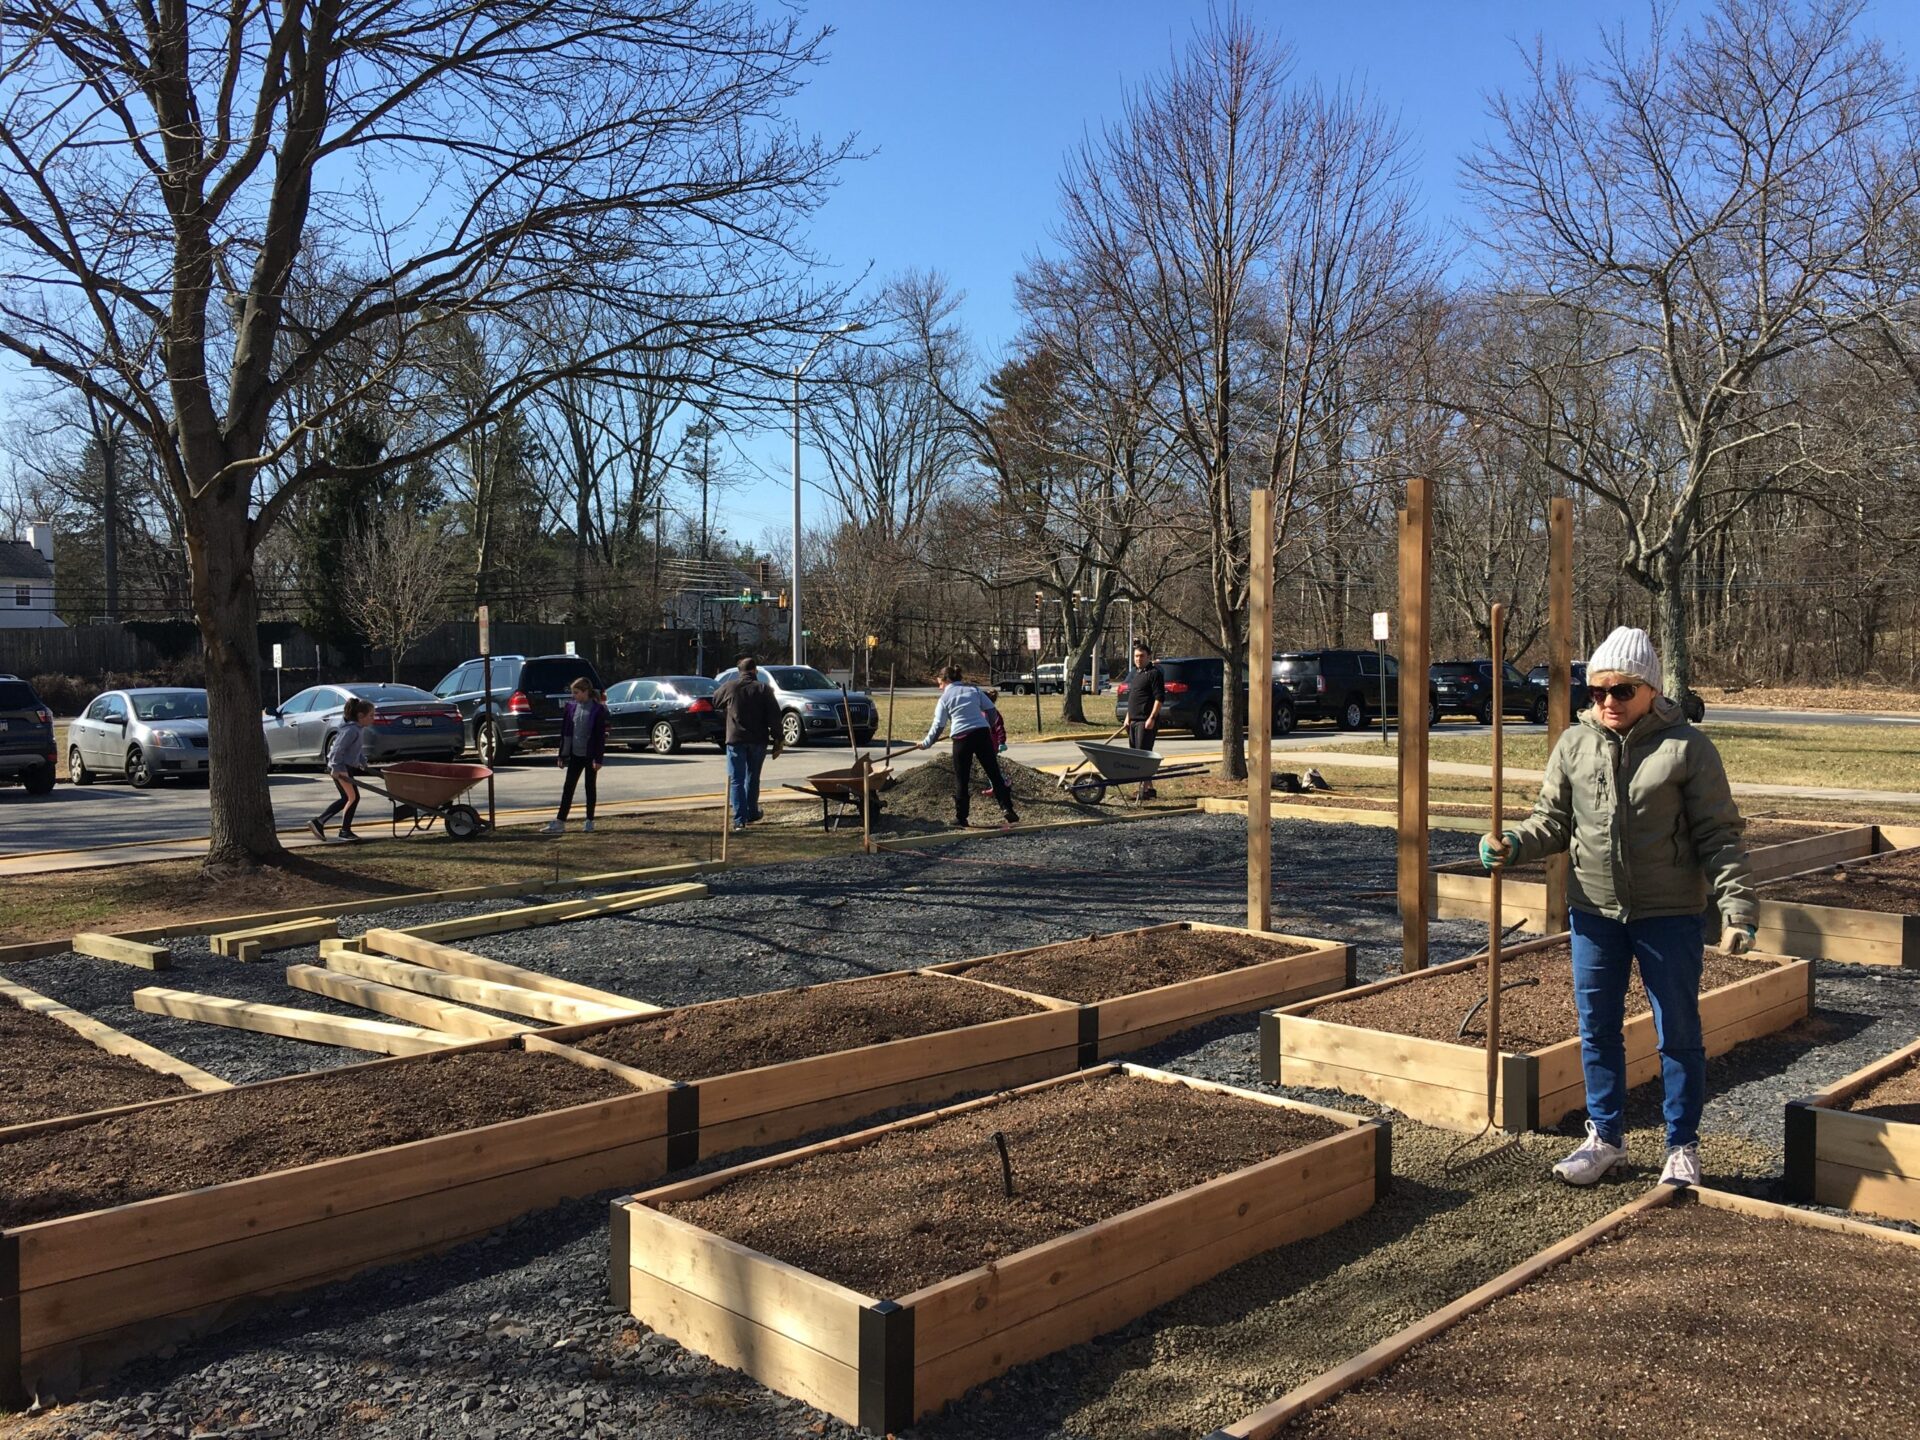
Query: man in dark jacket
column 753, row 727
column 1146, row 689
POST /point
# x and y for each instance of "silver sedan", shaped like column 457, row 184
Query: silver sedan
column 408, row 724
column 142, row 734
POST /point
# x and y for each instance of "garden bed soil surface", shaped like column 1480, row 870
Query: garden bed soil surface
column 1737, row 1326
column 1531, row 1016
column 784, row 1025
column 1105, row 967
column 1759, row 833
column 920, row 1205
column 48, row 1070
column 925, row 794
column 1892, row 1097
column 234, row 1134
column 1887, row 883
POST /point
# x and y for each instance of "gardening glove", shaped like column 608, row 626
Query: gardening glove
column 1497, row 850
column 1737, row 939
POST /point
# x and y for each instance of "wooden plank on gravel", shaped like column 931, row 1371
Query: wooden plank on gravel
column 111, row 1040
column 250, row 945
column 407, row 1005
column 126, row 952
column 451, row 961
column 499, row 922
column 294, row 1024
column 423, row 980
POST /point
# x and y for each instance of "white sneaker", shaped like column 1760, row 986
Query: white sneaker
column 1682, row 1167
column 1592, row 1162
column 554, row 827
column 586, row 827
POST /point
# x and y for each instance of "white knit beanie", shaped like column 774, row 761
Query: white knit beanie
column 1626, row 652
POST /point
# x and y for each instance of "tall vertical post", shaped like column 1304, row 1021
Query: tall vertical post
column 1416, row 551
column 1559, row 674
column 1260, row 713
column 793, row 596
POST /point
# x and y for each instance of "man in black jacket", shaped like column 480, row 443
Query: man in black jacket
column 753, row 727
column 1146, row 688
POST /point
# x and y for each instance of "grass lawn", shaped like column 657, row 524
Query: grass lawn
column 912, row 715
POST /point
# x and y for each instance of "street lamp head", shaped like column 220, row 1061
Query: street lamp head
column 852, row 327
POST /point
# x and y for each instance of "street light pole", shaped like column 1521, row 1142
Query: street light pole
column 799, row 649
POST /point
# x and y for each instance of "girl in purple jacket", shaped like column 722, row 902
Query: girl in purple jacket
column 583, row 748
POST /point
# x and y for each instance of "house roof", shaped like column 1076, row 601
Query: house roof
column 20, row 561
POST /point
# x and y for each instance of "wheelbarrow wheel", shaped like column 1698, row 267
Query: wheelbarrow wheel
column 464, row 822
column 1091, row 791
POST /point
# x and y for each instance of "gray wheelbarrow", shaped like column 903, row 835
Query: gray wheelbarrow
column 1122, row 765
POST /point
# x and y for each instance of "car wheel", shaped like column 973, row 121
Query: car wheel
column 1433, row 714
column 1206, row 725
column 1283, row 719
column 1353, row 714
column 139, row 773
column 863, row 737
column 1538, row 715
column 39, row 780
column 326, row 749
column 486, row 743
column 1484, row 715
column 664, row 741
column 791, row 731
column 77, row 768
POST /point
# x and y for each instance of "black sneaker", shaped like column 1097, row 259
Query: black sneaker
column 348, row 835
column 319, row 831
column 1012, row 818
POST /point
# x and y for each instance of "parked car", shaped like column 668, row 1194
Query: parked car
column 1465, row 687
column 27, row 754
column 810, row 705
column 144, row 735
column 1342, row 686
column 523, row 710
column 664, row 712
column 1051, row 679
column 408, row 724
column 1692, row 704
column 1194, row 693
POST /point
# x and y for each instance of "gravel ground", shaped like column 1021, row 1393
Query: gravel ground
column 511, row 1335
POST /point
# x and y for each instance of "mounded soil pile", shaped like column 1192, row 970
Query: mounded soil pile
column 48, row 1070
column 1889, row 883
column 1107, row 966
column 233, row 1134
column 1690, row 1321
column 1759, row 834
column 921, row 1205
column 1893, row 1097
column 925, row 793
column 1531, row 1016
column 785, row 1025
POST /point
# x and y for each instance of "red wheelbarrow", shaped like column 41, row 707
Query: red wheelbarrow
column 423, row 791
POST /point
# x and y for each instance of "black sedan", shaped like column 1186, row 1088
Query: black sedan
column 664, row 712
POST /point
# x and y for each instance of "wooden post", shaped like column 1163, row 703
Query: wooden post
column 866, row 805
column 1559, row 674
column 1260, row 713
column 1416, row 550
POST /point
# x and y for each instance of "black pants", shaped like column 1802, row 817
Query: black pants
column 344, row 805
column 977, row 745
column 577, row 765
column 1140, row 736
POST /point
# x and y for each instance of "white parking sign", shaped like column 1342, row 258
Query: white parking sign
column 1380, row 625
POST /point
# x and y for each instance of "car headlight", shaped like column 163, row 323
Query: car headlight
column 168, row 739
column 815, row 707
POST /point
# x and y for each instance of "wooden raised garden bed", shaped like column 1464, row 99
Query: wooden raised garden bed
column 1856, row 1144
column 126, row 1229
column 1860, row 912
column 1388, row 1046
column 759, row 1069
column 1144, row 985
column 1691, row 1312
column 909, row 1274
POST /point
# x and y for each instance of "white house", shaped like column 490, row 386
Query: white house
column 26, row 580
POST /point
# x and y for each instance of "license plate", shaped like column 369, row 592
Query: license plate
column 3, row 726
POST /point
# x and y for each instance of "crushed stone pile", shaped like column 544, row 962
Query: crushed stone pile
column 925, row 793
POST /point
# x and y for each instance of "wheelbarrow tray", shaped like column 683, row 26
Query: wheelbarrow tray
column 840, row 784
column 430, row 784
column 1120, row 764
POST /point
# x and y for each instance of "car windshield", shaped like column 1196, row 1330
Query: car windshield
column 17, row 695
column 387, row 694
column 796, row 677
column 171, row 705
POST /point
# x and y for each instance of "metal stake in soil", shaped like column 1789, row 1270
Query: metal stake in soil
column 1006, row 1163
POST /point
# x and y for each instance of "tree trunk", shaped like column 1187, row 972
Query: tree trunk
column 226, row 604
column 1676, row 659
column 1233, row 704
column 110, row 521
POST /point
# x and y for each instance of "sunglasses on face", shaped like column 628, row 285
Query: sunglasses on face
column 1621, row 693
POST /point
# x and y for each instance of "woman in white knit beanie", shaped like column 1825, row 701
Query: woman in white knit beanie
column 1640, row 801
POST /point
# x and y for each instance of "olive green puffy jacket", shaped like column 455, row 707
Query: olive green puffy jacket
column 1647, row 817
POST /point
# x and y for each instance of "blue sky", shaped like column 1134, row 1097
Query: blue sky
column 969, row 107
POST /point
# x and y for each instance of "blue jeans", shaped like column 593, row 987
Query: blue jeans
column 743, row 780
column 1670, row 949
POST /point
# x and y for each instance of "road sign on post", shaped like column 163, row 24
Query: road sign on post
column 1380, row 635
column 1033, row 638
column 1380, row 630
column 570, row 648
column 279, row 659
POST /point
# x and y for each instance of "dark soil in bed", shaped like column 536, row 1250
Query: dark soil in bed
column 1694, row 1322
column 785, row 1025
column 1531, row 1016
column 232, row 1134
column 1106, row 966
column 1893, row 1097
column 1759, row 835
column 925, row 1204
column 1889, row 883
column 48, row 1070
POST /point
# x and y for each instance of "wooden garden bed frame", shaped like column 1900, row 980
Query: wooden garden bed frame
column 1132, row 1022
column 105, row 1037
column 1443, row 1083
column 1328, row 1385
column 84, row 1293
column 1854, row 1162
column 1384, row 819
column 882, row 1363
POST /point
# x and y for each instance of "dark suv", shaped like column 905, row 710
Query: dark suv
column 1194, row 692
column 523, row 711
column 26, row 737
column 1465, row 687
column 1341, row 685
column 1694, row 707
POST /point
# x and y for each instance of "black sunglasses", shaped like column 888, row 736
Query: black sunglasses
column 1622, row 692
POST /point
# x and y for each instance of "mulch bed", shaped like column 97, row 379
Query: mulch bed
column 1759, row 833
column 1888, row 883
column 1690, row 1321
column 1531, row 1016
column 1105, row 966
column 784, row 1025
column 48, row 1070
column 921, row 1205
column 1892, row 1097
column 233, row 1134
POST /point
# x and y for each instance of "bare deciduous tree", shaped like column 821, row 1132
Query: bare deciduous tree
column 395, row 582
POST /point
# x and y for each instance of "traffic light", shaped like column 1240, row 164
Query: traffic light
column 783, row 599
column 1039, row 600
